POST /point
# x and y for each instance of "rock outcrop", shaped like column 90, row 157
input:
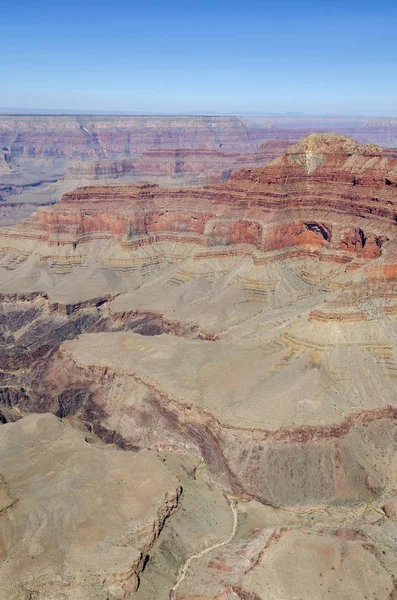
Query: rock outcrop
column 255, row 207
column 77, row 518
column 4, row 166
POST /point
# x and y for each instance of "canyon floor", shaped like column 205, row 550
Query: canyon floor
column 198, row 385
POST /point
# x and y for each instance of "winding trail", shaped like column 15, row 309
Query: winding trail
column 183, row 571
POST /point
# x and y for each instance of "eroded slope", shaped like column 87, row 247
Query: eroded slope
column 250, row 323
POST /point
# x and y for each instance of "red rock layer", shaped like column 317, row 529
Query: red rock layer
column 305, row 199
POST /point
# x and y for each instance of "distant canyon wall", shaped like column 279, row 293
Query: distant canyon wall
column 84, row 136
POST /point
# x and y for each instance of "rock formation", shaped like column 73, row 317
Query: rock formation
column 85, row 136
column 98, row 136
column 186, row 166
column 4, row 166
column 46, row 156
column 77, row 519
column 249, row 324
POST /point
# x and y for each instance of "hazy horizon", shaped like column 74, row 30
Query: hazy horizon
column 200, row 58
column 44, row 112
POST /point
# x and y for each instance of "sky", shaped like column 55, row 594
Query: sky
column 180, row 56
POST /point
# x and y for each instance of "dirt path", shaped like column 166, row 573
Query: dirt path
column 183, row 571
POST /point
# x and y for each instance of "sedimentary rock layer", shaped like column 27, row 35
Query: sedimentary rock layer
column 84, row 136
column 90, row 136
column 185, row 166
column 46, row 156
column 250, row 324
column 279, row 207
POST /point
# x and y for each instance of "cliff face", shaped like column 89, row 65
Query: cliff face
column 213, row 166
column 47, row 156
column 90, row 136
column 276, row 208
column 4, row 166
column 251, row 323
column 196, row 167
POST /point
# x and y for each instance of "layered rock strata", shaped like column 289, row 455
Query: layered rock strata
column 185, row 166
column 251, row 324
column 85, row 136
column 98, row 136
column 46, row 156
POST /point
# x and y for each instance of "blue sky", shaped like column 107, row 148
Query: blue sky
column 182, row 56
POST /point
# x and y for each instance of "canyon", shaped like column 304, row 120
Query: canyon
column 197, row 384
column 43, row 157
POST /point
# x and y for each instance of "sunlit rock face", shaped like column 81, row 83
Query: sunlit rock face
column 251, row 323
column 81, row 516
